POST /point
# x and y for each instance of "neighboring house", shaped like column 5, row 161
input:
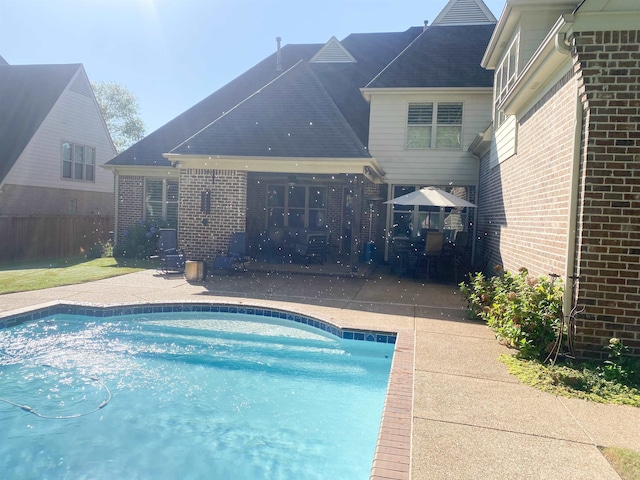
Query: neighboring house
column 53, row 142
column 317, row 137
column 559, row 187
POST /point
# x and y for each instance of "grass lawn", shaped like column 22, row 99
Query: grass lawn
column 26, row 276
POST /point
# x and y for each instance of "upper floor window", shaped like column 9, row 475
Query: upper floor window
column 434, row 125
column 505, row 78
column 78, row 162
column 161, row 200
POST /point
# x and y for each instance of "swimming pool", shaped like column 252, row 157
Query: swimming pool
column 237, row 393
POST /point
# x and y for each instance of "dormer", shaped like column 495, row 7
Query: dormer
column 333, row 52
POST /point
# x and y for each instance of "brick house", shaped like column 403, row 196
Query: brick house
column 559, row 190
column 318, row 137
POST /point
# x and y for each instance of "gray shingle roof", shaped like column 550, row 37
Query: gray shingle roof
column 149, row 150
column 442, row 56
column 291, row 117
column 341, row 82
column 316, row 110
column 27, row 94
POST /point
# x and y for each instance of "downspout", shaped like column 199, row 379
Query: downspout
column 116, row 211
column 572, row 223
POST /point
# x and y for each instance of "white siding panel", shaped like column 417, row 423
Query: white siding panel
column 387, row 131
column 74, row 118
column 504, row 141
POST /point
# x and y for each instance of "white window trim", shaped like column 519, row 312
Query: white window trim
column 434, row 125
column 165, row 197
column 502, row 88
column 85, row 148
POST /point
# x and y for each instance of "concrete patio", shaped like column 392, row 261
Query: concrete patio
column 471, row 418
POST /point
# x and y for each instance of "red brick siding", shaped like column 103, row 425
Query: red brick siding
column 201, row 235
column 130, row 203
column 524, row 201
column 609, row 254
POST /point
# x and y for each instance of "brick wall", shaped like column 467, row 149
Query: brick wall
column 130, row 203
column 524, row 201
column 201, row 235
column 609, row 255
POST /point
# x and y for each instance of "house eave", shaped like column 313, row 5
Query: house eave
column 482, row 143
column 366, row 166
column 143, row 170
column 368, row 92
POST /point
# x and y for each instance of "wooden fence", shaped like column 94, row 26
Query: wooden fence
column 51, row 236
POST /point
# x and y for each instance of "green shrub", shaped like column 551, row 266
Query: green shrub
column 620, row 366
column 525, row 312
column 141, row 240
column 101, row 249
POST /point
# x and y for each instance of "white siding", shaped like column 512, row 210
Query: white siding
column 75, row 118
column 504, row 141
column 388, row 126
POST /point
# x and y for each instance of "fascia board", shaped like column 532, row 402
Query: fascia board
column 368, row 92
column 142, row 171
column 318, row 165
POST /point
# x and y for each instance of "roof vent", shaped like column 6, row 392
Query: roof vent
column 278, row 55
column 333, row 52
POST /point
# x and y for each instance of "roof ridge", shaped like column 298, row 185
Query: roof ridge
column 224, row 114
column 337, row 110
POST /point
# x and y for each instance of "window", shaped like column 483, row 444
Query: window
column 78, row 162
column 505, row 79
column 161, row 200
column 420, row 125
column 302, row 206
column 422, row 133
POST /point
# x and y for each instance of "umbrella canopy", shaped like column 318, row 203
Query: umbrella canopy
column 431, row 196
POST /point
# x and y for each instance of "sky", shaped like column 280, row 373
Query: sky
column 173, row 53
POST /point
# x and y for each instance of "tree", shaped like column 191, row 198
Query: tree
column 121, row 113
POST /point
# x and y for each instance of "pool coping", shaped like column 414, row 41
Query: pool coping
column 392, row 456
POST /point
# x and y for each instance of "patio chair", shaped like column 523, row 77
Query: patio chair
column 431, row 254
column 401, row 255
column 171, row 260
column 235, row 256
column 314, row 247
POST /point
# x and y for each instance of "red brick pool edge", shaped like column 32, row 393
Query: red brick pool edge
column 392, row 459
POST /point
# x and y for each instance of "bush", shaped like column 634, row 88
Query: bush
column 525, row 312
column 141, row 241
column 101, row 249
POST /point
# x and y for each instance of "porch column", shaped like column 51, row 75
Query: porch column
column 212, row 205
column 356, row 228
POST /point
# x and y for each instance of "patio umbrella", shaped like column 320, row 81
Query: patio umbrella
column 430, row 196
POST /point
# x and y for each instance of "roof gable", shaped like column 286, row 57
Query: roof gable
column 293, row 116
column 333, row 52
column 465, row 12
column 27, row 95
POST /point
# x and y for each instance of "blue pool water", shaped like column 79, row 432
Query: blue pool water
column 189, row 396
